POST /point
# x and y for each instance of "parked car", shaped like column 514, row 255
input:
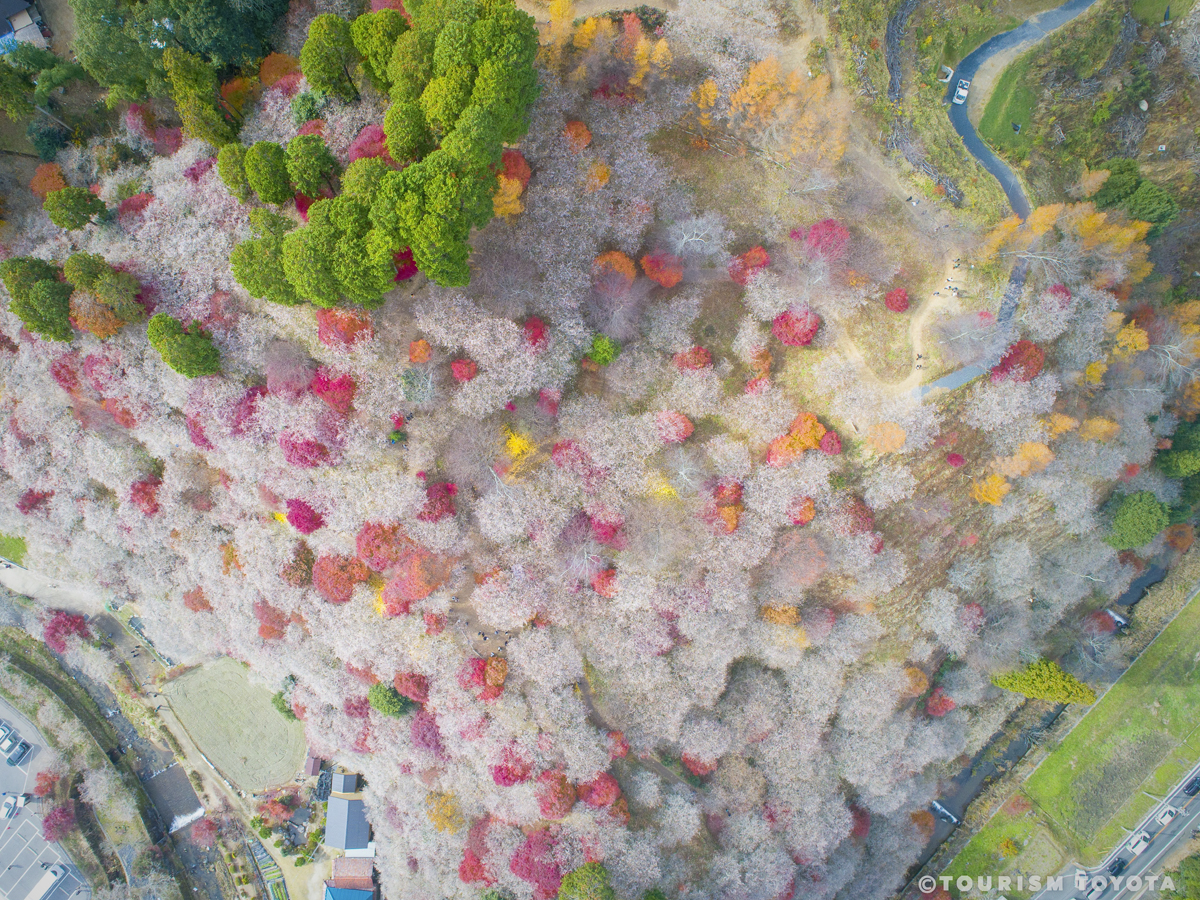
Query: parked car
column 1192, row 788
column 5, row 730
column 1097, row 889
column 9, row 808
column 1117, row 866
column 1139, row 842
column 18, row 756
column 9, row 742
column 1167, row 815
column 945, row 814
column 960, row 95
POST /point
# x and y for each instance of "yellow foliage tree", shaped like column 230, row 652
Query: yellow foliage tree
column 1093, row 372
column 1060, row 424
column 918, row 681
column 1075, row 239
column 444, row 812
column 597, row 176
column 1098, row 428
column 886, row 437
column 781, row 615
column 1031, row 457
column 992, row 489
column 507, row 199
column 1130, row 340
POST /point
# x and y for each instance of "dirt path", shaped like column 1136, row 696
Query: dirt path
column 937, row 299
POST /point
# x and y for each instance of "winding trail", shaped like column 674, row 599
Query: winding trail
column 1006, row 45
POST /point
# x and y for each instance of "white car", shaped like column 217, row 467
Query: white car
column 960, row 95
column 9, row 808
column 1139, row 842
column 1167, row 815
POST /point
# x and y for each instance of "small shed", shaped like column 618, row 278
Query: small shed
column 312, row 766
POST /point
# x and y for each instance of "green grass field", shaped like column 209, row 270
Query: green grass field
column 12, row 547
column 1151, row 12
column 1132, row 746
column 1012, row 100
column 234, row 723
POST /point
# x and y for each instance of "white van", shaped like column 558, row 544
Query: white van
column 46, row 883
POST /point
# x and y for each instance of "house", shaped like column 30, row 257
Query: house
column 19, row 22
column 353, row 873
column 346, row 825
column 312, row 766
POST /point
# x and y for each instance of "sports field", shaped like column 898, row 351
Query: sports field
column 1132, row 746
column 234, row 723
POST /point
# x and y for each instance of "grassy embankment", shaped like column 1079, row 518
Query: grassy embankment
column 1128, row 749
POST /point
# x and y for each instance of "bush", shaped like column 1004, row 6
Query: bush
column 386, row 699
column 1045, row 680
column 604, row 350
column 1138, row 520
column 189, row 351
column 307, row 106
column 47, row 139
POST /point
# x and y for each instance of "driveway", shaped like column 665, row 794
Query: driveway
column 22, row 849
column 1028, row 33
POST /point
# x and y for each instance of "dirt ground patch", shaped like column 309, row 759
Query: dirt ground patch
column 233, row 722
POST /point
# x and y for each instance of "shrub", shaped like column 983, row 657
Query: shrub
column 604, row 350
column 1138, row 520
column 72, row 208
column 189, row 351
column 387, row 700
column 1045, row 680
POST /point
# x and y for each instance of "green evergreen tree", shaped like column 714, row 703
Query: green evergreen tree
column 411, row 65
column 375, row 35
column 1138, row 520
column 408, row 135
column 1045, row 680
column 16, row 93
column 84, row 269
column 72, row 208
column 121, row 43
column 337, row 256
column 231, row 166
column 39, row 299
column 588, row 882
column 266, row 172
column 310, row 165
column 362, row 177
column 386, row 699
column 197, row 96
column 329, row 57
column 257, row 263
column 1123, row 179
column 189, row 351
column 1150, row 203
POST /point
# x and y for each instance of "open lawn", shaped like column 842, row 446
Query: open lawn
column 1143, row 721
column 12, row 547
column 1151, row 12
column 234, row 723
column 1012, row 100
column 1132, row 746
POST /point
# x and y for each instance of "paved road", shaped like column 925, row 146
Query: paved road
column 22, row 848
column 1027, row 33
column 1165, row 838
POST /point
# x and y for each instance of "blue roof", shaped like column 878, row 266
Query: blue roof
column 332, row 893
column 346, row 826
